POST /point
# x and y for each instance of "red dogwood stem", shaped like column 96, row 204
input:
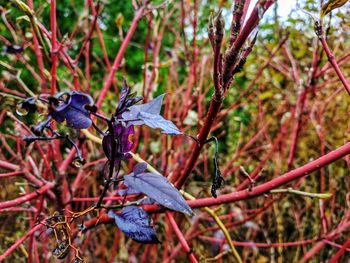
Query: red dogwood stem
column 335, row 64
column 53, row 47
column 108, row 198
column 27, row 197
column 215, row 104
column 119, row 56
column 181, row 237
column 8, row 166
column 321, row 244
column 10, row 174
column 275, row 183
column 341, row 251
column 20, row 241
column 246, row 194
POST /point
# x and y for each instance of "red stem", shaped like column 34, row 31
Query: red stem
column 53, row 47
column 215, row 103
column 109, row 198
column 245, row 10
column 181, row 237
column 334, row 64
column 27, row 197
column 20, row 241
column 87, row 38
column 298, row 112
column 277, row 182
column 262, row 245
column 214, row 108
column 256, row 191
column 119, row 56
column 8, row 166
column 252, row 21
column 10, row 174
column 39, row 57
column 341, row 251
column 328, row 66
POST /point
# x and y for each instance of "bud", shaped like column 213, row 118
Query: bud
column 211, row 34
column 219, row 24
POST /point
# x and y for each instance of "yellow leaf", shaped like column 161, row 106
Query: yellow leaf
column 119, row 20
column 330, row 5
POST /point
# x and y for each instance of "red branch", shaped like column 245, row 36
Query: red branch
column 39, row 56
column 216, row 102
column 334, row 63
column 181, row 237
column 341, row 251
column 256, row 191
column 313, row 251
column 10, row 174
column 7, row 165
column 54, row 58
column 119, row 56
column 274, row 183
column 27, row 197
column 20, row 241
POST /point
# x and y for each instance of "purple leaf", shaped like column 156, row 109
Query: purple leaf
column 136, row 224
column 157, row 121
column 123, row 95
column 126, row 99
column 139, row 168
column 152, row 107
column 158, row 188
column 148, row 201
column 71, row 108
column 149, row 114
column 123, row 192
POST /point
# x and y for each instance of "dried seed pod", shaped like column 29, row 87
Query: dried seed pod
column 61, row 250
